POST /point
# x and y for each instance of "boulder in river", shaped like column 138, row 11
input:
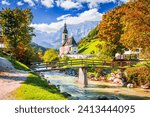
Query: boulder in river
column 117, row 81
column 103, row 97
column 130, row 85
column 145, row 86
column 66, row 94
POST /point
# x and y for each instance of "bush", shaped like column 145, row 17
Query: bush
column 138, row 75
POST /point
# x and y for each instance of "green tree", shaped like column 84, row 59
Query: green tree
column 50, row 55
column 16, row 31
column 105, row 51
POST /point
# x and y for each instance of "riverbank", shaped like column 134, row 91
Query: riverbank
column 124, row 93
column 20, row 84
column 35, row 88
column 96, row 90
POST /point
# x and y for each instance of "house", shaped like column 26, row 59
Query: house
column 69, row 45
column 128, row 54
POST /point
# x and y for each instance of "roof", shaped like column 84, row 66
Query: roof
column 70, row 41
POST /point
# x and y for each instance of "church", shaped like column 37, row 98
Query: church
column 69, row 45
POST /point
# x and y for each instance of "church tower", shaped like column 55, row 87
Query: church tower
column 64, row 34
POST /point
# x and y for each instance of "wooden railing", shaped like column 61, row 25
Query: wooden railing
column 84, row 63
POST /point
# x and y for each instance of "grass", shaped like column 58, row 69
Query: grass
column 15, row 63
column 147, row 63
column 90, row 47
column 35, row 88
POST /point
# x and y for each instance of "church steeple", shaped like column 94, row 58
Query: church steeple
column 65, row 28
column 65, row 34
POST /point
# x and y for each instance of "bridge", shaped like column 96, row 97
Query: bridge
column 81, row 64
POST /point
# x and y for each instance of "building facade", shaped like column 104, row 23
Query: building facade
column 69, row 45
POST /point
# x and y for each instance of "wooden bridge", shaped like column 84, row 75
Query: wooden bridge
column 82, row 64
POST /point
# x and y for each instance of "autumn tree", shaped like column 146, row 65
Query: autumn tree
column 50, row 55
column 16, row 31
column 111, row 29
column 137, row 26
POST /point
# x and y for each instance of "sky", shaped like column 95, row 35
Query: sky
column 50, row 15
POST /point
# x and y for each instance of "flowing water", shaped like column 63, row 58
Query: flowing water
column 70, row 85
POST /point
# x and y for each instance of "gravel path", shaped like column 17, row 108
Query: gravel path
column 10, row 78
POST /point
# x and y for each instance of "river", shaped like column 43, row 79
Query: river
column 70, row 85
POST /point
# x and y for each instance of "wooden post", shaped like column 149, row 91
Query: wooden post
column 71, row 62
column 46, row 65
column 59, row 63
column 82, row 61
column 93, row 62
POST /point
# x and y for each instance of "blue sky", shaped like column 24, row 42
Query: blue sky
column 49, row 15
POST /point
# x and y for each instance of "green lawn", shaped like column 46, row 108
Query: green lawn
column 35, row 88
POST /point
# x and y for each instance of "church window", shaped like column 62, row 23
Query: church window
column 65, row 36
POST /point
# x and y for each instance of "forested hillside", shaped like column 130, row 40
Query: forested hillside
column 125, row 27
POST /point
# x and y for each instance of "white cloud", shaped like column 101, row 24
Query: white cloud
column 4, row 2
column 124, row 1
column 63, row 17
column 90, row 15
column 19, row 3
column 30, row 2
column 70, row 4
column 47, row 3
column 95, row 3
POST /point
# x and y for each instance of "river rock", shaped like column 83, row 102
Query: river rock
column 117, row 81
column 118, row 76
column 130, row 85
column 91, row 76
column 103, row 97
column 111, row 78
column 41, row 75
column 113, row 98
column 112, row 75
column 102, row 78
column 145, row 86
column 66, row 94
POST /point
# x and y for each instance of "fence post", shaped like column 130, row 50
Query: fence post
column 71, row 62
column 93, row 62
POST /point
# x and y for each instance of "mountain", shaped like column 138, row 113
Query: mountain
column 37, row 47
column 53, row 40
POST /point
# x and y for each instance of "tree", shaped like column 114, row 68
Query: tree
column 16, row 31
column 111, row 29
column 105, row 51
column 137, row 26
column 50, row 55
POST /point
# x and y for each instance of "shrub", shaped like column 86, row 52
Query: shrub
column 138, row 75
